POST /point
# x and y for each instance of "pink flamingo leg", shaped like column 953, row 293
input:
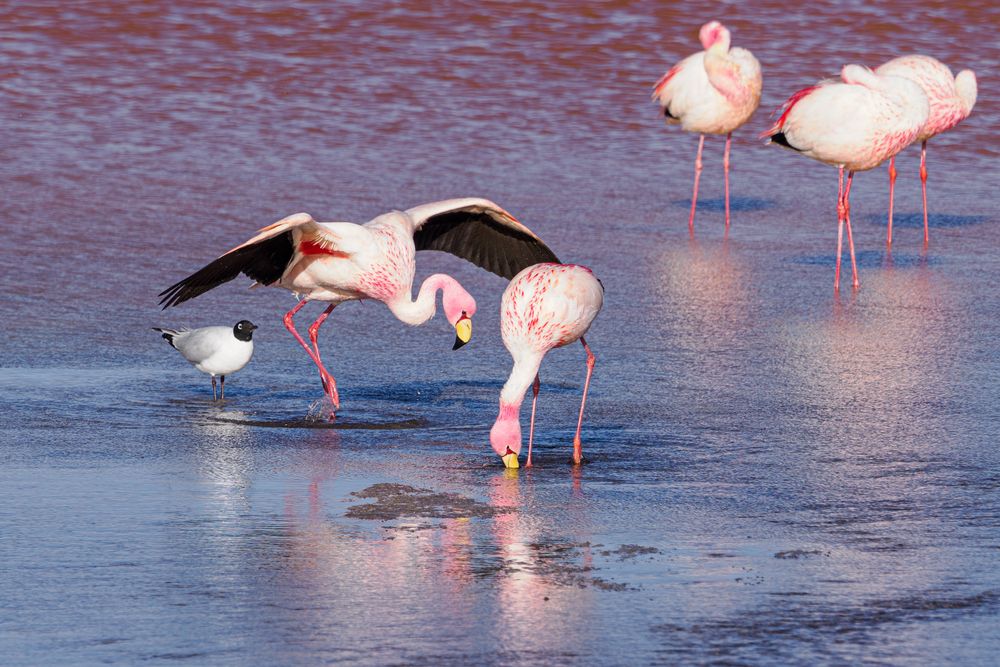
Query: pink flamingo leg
column 577, row 446
column 840, row 228
column 850, row 237
column 725, row 167
column 923, row 184
column 697, row 175
column 222, row 383
column 531, row 428
column 892, row 185
column 289, row 324
column 329, row 384
column 215, row 396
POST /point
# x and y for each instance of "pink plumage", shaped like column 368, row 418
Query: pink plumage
column 336, row 262
column 545, row 306
column 951, row 101
column 714, row 91
column 855, row 123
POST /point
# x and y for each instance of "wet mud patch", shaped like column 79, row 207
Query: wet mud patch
column 796, row 554
column 628, row 551
column 567, row 564
column 399, row 501
column 800, row 620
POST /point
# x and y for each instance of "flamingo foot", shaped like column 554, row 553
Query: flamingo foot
column 321, row 410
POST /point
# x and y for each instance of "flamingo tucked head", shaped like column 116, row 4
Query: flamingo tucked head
column 714, row 34
column 965, row 85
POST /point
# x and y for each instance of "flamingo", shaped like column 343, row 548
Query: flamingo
column 545, row 306
column 336, row 262
column 951, row 100
column 714, row 91
column 856, row 124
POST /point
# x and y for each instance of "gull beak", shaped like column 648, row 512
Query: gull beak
column 510, row 460
column 463, row 331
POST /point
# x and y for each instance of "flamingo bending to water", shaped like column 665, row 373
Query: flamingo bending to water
column 544, row 307
column 336, row 262
column 951, row 100
column 857, row 124
column 714, row 91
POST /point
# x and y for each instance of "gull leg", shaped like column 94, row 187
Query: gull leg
column 222, row 381
column 215, row 396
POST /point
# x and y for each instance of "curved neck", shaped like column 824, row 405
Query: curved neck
column 423, row 307
column 506, row 432
column 521, row 376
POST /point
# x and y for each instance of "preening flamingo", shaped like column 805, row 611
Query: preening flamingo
column 713, row 91
column 336, row 262
column 545, row 306
column 854, row 124
column 951, row 100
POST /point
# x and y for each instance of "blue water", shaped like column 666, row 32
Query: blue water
column 778, row 473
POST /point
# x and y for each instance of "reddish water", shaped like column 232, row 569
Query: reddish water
column 817, row 473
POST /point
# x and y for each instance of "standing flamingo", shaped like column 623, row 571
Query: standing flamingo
column 545, row 306
column 951, row 100
column 343, row 261
column 713, row 91
column 857, row 124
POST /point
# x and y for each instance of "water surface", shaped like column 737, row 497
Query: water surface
column 777, row 473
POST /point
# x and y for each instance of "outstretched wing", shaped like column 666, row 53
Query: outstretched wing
column 263, row 258
column 481, row 232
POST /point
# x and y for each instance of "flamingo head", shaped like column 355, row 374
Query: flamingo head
column 505, row 436
column 459, row 307
column 714, row 35
column 965, row 84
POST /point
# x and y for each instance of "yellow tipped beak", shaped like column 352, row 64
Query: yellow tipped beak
column 510, row 460
column 463, row 332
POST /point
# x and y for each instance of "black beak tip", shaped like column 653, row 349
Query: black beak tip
column 458, row 343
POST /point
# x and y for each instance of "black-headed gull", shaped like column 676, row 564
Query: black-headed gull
column 214, row 350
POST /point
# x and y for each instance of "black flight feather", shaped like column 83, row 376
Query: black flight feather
column 264, row 262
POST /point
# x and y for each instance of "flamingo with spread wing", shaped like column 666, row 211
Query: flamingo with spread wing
column 336, row 262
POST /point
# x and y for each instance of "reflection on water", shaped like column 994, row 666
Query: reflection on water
column 778, row 473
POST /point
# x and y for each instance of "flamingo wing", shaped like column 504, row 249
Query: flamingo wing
column 264, row 258
column 479, row 231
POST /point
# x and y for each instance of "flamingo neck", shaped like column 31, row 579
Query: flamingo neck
column 506, row 431
column 424, row 306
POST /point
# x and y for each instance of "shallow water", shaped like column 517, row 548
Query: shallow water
column 777, row 473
